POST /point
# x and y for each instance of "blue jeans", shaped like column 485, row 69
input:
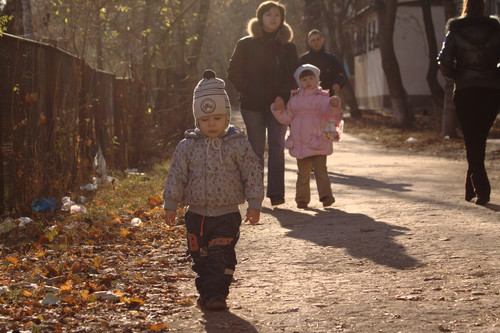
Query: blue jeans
column 211, row 241
column 256, row 123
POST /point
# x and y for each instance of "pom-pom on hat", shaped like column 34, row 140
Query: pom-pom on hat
column 210, row 97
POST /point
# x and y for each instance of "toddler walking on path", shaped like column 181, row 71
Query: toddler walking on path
column 213, row 170
column 304, row 112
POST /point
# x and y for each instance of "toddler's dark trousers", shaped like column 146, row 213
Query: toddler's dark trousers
column 476, row 109
column 211, row 242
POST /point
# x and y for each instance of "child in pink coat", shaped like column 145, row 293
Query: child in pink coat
column 304, row 112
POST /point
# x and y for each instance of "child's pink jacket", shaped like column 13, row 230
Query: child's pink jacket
column 304, row 112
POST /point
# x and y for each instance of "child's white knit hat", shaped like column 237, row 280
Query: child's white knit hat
column 210, row 97
column 304, row 67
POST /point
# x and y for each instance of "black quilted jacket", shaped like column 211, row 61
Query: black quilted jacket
column 471, row 52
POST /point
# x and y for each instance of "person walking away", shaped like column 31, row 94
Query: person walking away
column 304, row 112
column 470, row 56
column 213, row 170
column 261, row 68
column 333, row 76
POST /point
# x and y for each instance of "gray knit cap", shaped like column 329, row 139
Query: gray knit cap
column 209, row 97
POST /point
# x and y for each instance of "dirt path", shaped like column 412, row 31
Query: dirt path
column 400, row 251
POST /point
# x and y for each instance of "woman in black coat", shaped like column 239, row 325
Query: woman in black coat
column 261, row 68
column 470, row 56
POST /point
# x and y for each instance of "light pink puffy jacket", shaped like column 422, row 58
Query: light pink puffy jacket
column 304, row 113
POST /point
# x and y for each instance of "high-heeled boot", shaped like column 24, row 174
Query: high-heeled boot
column 482, row 188
column 469, row 188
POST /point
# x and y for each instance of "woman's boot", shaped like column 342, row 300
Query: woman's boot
column 469, row 188
column 482, row 187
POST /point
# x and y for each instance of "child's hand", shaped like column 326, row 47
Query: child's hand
column 334, row 101
column 279, row 103
column 170, row 217
column 253, row 216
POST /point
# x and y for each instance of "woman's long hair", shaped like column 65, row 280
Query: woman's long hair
column 473, row 8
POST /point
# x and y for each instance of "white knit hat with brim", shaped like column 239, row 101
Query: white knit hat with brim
column 210, row 97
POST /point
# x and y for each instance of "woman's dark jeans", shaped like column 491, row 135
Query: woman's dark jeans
column 476, row 110
column 257, row 123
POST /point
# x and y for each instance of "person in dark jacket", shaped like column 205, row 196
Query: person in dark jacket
column 471, row 57
column 332, row 75
column 261, row 68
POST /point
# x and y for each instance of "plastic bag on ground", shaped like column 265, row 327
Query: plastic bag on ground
column 44, row 205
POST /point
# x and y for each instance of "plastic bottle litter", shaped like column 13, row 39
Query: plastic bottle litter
column 411, row 140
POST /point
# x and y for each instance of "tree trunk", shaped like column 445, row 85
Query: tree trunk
column 312, row 15
column 450, row 121
column 99, row 46
column 386, row 15
column 437, row 91
column 200, row 32
column 339, row 12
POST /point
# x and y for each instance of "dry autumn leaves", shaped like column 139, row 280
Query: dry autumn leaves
column 112, row 268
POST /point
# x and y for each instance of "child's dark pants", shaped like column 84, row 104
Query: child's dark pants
column 211, row 242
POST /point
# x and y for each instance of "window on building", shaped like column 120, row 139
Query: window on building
column 360, row 41
column 372, row 35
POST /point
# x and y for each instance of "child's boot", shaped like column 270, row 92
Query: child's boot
column 301, row 204
column 216, row 303
column 327, row 200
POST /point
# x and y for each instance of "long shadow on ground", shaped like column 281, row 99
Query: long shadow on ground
column 225, row 321
column 358, row 181
column 359, row 234
column 493, row 207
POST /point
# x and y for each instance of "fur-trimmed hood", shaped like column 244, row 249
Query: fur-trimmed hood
column 285, row 32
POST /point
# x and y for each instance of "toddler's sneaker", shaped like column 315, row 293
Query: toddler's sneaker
column 327, row 201
column 216, row 303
